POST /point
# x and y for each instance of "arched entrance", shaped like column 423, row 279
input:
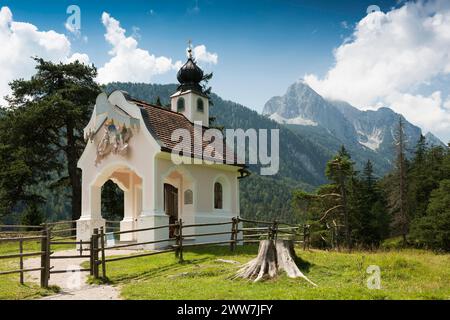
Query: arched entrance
column 131, row 184
column 112, row 202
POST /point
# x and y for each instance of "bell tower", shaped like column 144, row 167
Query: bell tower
column 189, row 99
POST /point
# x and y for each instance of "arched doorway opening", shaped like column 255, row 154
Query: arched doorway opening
column 119, row 191
column 112, row 202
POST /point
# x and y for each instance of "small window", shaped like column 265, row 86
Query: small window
column 218, row 196
column 200, row 105
column 188, row 196
column 180, row 104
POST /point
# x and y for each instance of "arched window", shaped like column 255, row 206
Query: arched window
column 188, row 197
column 180, row 104
column 200, row 105
column 218, row 196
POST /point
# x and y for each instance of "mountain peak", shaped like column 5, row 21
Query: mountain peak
column 301, row 105
column 434, row 141
column 368, row 133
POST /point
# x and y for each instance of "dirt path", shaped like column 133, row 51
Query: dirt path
column 73, row 285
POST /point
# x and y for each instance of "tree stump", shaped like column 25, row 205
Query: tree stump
column 273, row 256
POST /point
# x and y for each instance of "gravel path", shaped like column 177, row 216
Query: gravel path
column 73, row 285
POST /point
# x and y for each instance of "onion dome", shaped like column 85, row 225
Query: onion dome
column 190, row 75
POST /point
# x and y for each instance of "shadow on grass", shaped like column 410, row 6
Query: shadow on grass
column 155, row 272
column 302, row 264
column 193, row 257
column 222, row 251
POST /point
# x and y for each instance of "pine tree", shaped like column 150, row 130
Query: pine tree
column 420, row 183
column 433, row 230
column 368, row 177
column 158, row 101
column 339, row 170
column 372, row 216
column 45, row 120
column 398, row 193
column 343, row 152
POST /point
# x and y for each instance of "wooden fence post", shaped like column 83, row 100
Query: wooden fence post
column 309, row 236
column 233, row 234
column 102, row 242
column 180, row 254
column 304, row 237
column 49, row 252
column 273, row 230
column 21, row 260
column 177, row 239
column 44, row 254
column 91, row 255
column 95, row 252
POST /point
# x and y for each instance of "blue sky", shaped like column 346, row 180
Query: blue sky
column 262, row 46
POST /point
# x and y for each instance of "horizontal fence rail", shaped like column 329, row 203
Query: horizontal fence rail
column 21, row 240
column 237, row 234
column 19, row 226
column 232, row 233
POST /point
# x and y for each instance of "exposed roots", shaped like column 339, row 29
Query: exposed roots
column 273, row 256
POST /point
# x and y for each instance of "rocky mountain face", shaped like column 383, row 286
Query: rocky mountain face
column 303, row 106
column 432, row 140
column 367, row 134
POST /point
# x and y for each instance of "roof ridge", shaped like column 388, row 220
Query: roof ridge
column 165, row 109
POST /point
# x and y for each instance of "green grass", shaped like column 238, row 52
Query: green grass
column 408, row 274
column 10, row 287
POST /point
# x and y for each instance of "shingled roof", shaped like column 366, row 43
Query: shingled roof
column 162, row 122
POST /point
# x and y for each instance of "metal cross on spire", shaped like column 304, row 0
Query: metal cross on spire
column 190, row 48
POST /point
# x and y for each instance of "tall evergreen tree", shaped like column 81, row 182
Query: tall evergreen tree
column 48, row 114
column 373, row 220
column 339, row 170
column 433, row 230
column 420, row 183
column 343, row 152
column 398, row 193
column 158, row 101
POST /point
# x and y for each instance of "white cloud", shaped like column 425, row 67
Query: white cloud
column 447, row 103
column 128, row 61
column 202, row 55
column 427, row 111
column 81, row 57
column 20, row 41
column 389, row 58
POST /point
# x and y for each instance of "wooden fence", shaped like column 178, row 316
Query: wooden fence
column 20, row 237
column 63, row 233
column 263, row 230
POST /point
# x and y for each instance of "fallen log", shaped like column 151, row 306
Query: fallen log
column 273, row 256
